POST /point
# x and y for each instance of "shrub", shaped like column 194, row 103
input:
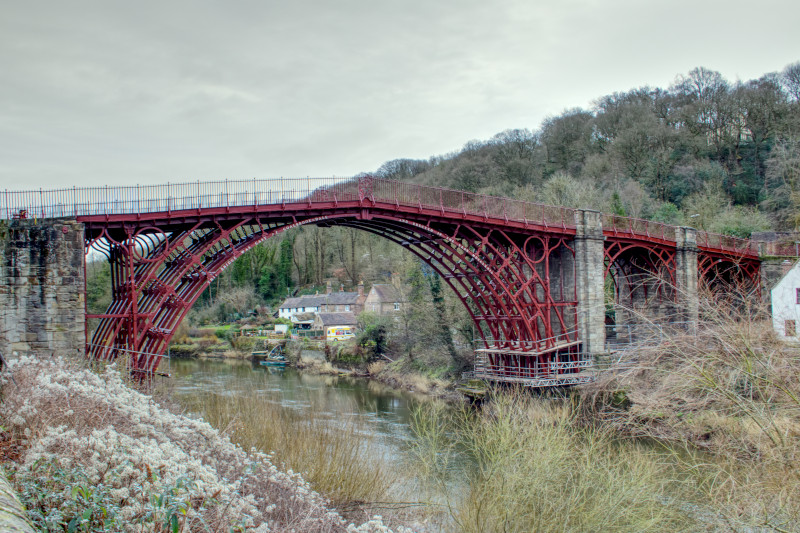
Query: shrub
column 96, row 454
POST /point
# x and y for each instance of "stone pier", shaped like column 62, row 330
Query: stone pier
column 42, row 287
column 589, row 261
column 686, row 277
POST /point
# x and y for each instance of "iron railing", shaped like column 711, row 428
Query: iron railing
column 619, row 225
column 533, row 373
column 715, row 241
column 172, row 197
column 141, row 199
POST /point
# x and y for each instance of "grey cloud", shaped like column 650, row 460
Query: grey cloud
column 97, row 92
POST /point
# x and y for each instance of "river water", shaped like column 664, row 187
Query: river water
column 383, row 412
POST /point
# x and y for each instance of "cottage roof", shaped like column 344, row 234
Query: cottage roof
column 316, row 300
column 337, row 319
column 342, row 298
column 306, row 300
column 386, row 293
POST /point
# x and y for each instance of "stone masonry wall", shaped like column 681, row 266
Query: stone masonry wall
column 42, row 287
column 686, row 277
column 589, row 257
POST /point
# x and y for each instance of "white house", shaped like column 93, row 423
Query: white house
column 786, row 304
column 330, row 302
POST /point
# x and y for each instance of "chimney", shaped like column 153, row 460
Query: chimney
column 328, row 287
column 786, row 266
column 361, row 288
column 341, row 287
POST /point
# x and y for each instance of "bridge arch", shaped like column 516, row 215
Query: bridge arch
column 518, row 289
column 523, row 270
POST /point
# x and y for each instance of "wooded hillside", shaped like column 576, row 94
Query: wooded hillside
column 726, row 154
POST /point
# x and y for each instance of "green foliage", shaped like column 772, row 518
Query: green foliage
column 373, row 333
column 668, row 213
column 740, row 221
column 168, row 510
column 276, row 277
column 64, row 499
column 98, row 286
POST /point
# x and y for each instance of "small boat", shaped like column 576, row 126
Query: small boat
column 275, row 361
column 273, row 357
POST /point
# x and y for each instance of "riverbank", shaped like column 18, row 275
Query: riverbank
column 83, row 448
column 731, row 391
column 388, row 374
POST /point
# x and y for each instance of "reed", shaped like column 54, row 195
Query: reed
column 534, row 469
column 340, row 459
column 732, row 390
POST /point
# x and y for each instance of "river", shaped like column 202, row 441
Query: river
column 383, row 412
column 530, row 462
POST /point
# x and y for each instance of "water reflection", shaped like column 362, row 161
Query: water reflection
column 380, row 410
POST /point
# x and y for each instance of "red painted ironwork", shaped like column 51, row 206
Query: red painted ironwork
column 512, row 263
column 731, row 274
column 642, row 275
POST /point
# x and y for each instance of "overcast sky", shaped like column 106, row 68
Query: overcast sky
column 107, row 92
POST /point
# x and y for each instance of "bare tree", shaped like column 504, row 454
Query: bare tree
column 790, row 79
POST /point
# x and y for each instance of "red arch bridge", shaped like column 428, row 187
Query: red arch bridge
column 541, row 283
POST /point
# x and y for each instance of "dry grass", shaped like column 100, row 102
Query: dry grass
column 412, row 381
column 535, row 470
column 376, row 367
column 339, row 459
column 732, row 390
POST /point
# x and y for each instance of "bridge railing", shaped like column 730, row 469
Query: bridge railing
column 157, row 198
column 620, row 225
column 135, row 199
column 466, row 203
column 726, row 243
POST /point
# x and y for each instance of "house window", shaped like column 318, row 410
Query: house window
column 346, row 307
column 302, row 309
column 396, row 306
column 797, row 296
column 790, row 328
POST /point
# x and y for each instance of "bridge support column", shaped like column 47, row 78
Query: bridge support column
column 42, row 287
column 589, row 261
column 686, row 277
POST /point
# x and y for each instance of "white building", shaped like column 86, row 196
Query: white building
column 330, row 302
column 786, row 304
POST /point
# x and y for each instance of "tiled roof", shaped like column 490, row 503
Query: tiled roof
column 307, row 300
column 316, row 300
column 337, row 319
column 386, row 293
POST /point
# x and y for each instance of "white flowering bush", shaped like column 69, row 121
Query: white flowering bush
column 100, row 456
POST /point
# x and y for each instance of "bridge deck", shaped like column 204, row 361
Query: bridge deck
column 181, row 199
